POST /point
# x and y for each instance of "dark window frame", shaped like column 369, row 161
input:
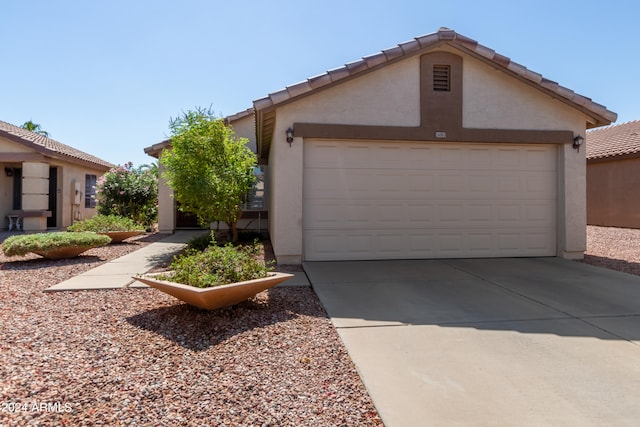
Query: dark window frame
column 90, row 190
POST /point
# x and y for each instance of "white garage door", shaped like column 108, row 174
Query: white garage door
column 398, row 200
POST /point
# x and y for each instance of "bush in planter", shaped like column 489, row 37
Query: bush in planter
column 202, row 242
column 218, row 265
column 106, row 223
column 46, row 243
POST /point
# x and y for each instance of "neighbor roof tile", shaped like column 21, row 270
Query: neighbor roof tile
column 612, row 141
column 50, row 147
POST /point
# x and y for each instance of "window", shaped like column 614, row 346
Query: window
column 90, row 191
column 17, row 189
column 256, row 197
column 441, row 80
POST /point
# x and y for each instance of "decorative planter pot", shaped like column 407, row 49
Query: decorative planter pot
column 119, row 236
column 64, row 252
column 215, row 297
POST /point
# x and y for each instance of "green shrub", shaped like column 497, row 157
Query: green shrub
column 218, row 265
column 130, row 192
column 105, row 223
column 44, row 242
column 202, row 242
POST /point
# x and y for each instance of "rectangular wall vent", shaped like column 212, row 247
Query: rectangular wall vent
column 441, row 78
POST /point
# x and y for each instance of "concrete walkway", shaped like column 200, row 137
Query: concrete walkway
column 118, row 273
column 489, row 342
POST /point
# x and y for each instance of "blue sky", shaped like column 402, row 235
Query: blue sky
column 106, row 76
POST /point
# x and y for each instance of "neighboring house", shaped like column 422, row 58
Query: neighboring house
column 44, row 183
column 613, row 176
column 436, row 148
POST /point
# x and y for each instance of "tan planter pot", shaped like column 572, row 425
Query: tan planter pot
column 216, row 297
column 119, row 236
column 60, row 253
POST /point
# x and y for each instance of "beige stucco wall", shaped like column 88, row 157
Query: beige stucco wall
column 390, row 96
column 166, row 205
column 245, row 128
column 7, row 146
column 68, row 175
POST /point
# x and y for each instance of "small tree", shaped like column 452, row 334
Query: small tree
column 209, row 168
column 129, row 192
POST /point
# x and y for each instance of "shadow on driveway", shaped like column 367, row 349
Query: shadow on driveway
column 502, row 294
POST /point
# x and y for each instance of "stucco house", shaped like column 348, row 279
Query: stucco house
column 613, row 176
column 438, row 147
column 44, row 183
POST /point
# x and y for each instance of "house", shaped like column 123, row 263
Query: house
column 613, row 176
column 44, row 183
column 436, row 148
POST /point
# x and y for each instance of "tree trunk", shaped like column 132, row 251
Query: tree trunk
column 232, row 234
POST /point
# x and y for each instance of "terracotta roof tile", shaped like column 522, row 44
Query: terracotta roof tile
column 611, row 141
column 393, row 53
column 357, row 66
column 299, row 88
column 319, row 81
column 599, row 114
column 50, row 147
column 428, row 39
column 240, row 115
column 376, row 59
column 410, row 46
column 339, row 73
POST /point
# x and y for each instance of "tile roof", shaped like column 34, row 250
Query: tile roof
column 599, row 114
column 50, row 147
column 614, row 141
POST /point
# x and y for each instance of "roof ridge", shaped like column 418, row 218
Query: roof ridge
column 598, row 112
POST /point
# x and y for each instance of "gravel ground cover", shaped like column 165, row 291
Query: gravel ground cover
column 614, row 248
column 139, row 357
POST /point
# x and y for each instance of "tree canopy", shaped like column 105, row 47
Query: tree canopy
column 209, row 168
column 34, row 127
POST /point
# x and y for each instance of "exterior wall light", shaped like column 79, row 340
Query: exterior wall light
column 577, row 142
column 289, row 136
column 8, row 171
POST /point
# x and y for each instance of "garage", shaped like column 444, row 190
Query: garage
column 438, row 147
column 409, row 200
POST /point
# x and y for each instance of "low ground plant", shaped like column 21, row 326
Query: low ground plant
column 106, row 223
column 218, row 265
column 19, row 245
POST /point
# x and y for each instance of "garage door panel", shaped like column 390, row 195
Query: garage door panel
column 374, row 200
column 332, row 245
column 346, row 214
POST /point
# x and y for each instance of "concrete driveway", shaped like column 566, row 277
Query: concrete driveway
column 489, row 342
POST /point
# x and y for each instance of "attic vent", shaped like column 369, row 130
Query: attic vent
column 441, row 78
